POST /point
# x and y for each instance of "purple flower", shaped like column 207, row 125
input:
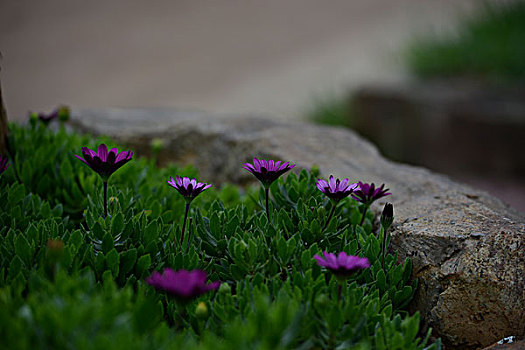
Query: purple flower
column 368, row 193
column 267, row 171
column 3, row 164
column 46, row 118
column 188, row 188
column 182, row 284
column 105, row 162
column 336, row 189
column 343, row 265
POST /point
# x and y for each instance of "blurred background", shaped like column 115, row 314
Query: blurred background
column 432, row 83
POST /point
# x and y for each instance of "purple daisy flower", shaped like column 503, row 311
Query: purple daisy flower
column 342, row 265
column 368, row 193
column 267, row 171
column 3, row 164
column 336, row 189
column 105, row 162
column 182, row 284
column 189, row 189
column 46, row 118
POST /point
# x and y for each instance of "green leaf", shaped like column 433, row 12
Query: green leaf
column 106, row 277
column 361, row 235
column 237, row 272
column 150, row 233
column 32, row 234
column 45, row 210
column 397, row 342
column 76, row 238
column 143, row 265
column 167, row 216
column 231, row 226
column 146, row 315
column 381, row 280
column 65, row 167
column 282, row 250
column 315, row 227
column 407, row 270
column 98, row 231
column 27, row 174
column 44, row 185
column 23, row 250
column 402, row 295
column 215, row 225
column 57, row 210
column 15, row 194
column 100, row 263
column 411, row 326
column 252, row 250
column 67, row 256
column 117, row 224
column 155, row 209
column 306, row 259
column 112, row 260
column 107, row 243
column 127, row 260
column 380, row 339
column 15, row 267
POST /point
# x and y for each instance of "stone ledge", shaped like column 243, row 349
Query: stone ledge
column 467, row 247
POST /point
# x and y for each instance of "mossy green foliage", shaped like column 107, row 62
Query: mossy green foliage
column 487, row 46
column 91, row 294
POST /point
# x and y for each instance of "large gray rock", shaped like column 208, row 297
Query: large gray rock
column 467, row 247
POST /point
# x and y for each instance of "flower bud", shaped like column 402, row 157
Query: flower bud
column 113, row 202
column 387, row 217
column 225, row 288
column 201, row 311
column 33, row 118
column 55, row 248
column 63, row 113
column 157, row 145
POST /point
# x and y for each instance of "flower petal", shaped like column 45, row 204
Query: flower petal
column 102, row 152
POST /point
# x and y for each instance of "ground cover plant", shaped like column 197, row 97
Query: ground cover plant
column 107, row 252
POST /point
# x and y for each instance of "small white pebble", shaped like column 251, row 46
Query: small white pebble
column 507, row 340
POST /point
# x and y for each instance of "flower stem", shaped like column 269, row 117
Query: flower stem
column 184, row 223
column 364, row 215
column 383, row 247
column 189, row 232
column 329, row 216
column 105, row 199
column 267, row 193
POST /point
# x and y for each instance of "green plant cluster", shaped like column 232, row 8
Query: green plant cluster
column 71, row 279
column 487, row 45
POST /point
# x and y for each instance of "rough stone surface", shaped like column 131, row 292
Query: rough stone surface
column 467, row 247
